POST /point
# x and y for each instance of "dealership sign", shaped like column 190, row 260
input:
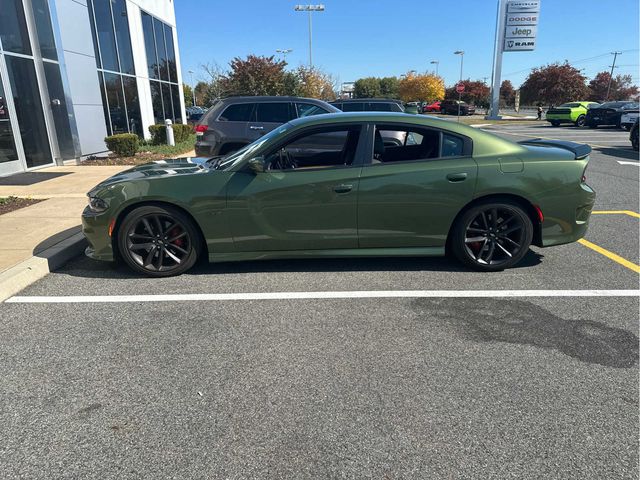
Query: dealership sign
column 521, row 25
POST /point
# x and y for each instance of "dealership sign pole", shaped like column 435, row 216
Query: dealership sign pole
column 516, row 31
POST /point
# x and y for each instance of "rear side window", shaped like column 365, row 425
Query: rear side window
column 378, row 107
column 273, row 112
column 353, row 107
column 308, row 109
column 240, row 112
column 452, row 146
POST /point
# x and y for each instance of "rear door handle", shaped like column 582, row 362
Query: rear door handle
column 457, row 177
column 343, row 188
column 255, row 127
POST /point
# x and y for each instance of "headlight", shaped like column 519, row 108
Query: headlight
column 97, row 205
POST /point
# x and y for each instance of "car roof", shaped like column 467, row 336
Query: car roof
column 270, row 98
column 356, row 100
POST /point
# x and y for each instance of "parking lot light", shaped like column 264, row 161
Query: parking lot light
column 436, row 63
column 309, row 8
column 284, row 52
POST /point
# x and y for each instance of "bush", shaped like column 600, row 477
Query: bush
column 181, row 133
column 123, row 144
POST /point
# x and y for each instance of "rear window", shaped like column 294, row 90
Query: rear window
column 353, row 107
column 273, row 112
column 241, row 112
column 569, row 105
column 378, row 107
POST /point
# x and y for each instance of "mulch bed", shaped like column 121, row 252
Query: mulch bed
column 139, row 159
column 10, row 204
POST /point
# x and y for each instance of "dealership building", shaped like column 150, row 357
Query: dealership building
column 74, row 71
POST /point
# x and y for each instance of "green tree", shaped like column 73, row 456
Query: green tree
column 390, row 87
column 554, row 84
column 621, row 87
column 255, row 75
column 188, row 94
column 368, row 87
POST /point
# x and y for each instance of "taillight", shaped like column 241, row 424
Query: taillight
column 200, row 129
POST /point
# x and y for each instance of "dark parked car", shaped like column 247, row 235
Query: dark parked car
column 450, row 107
column 608, row 113
column 194, row 113
column 234, row 122
column 633, row 136
column 369, row 105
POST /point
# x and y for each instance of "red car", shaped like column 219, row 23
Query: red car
column 432, row 107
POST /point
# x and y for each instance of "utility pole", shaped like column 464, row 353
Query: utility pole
column 615, row 55
column 309, row 8
column 193, row 88
column 461, row 53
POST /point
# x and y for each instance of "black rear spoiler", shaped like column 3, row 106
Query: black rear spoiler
column 580, row 150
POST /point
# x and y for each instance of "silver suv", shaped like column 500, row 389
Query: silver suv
column 234, row 122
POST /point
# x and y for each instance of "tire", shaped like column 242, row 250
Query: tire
column 555, row 123
column 158, row 241
column 580, row 121
column 487, row 254
column 627, row 127
column 634, row 140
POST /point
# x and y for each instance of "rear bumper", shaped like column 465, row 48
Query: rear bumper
column 569, row 222
column 559, row 117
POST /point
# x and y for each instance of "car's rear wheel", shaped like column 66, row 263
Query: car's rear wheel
column 580, row 121
column 158, row 241
column 492, row 236
column 555, row 123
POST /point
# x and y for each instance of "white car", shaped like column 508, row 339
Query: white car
column 629, row 118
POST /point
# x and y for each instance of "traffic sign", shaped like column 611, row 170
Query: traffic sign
column 460, row 87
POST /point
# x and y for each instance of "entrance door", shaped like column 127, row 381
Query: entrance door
column 9, row 159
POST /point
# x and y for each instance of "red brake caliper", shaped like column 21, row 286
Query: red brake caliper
column 178, row 242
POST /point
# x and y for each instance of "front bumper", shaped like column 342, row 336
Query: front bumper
column 95, row 228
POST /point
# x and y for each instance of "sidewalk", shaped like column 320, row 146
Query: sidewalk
column 28, row 231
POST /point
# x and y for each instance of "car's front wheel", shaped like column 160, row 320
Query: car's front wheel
column 580, row 121
column 492, row 236
column 158, row 241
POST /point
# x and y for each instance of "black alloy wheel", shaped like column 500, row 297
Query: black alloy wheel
column 158, row 241
column 580, row 121
column 492, row 236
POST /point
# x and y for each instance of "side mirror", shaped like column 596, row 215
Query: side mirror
column 257, row 164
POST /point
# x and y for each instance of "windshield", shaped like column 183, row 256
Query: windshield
column 631, row 106
column 247, row 151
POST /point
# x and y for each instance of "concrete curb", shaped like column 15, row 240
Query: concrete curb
column 29, row 271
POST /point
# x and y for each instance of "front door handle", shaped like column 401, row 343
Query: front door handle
column 256, row 127
column 343, row 188
column 457, row 177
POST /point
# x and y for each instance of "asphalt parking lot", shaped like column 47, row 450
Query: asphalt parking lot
column 496, row 380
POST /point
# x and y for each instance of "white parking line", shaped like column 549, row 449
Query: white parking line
column 209, row 297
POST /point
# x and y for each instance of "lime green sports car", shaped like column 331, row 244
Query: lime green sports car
column 329, row 186
column 574, row 112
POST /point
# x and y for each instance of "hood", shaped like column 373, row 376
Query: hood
column 159, row 168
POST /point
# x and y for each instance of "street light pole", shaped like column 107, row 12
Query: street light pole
column 284, row 52
column 310, row 8
column 461, row 53
column 615, row 55
column 193, row 88
column 436, row 62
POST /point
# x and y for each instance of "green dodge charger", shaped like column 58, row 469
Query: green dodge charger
column 329, row 186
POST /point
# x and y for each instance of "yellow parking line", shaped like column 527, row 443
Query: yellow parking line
column 616, row 212
column 610, row 255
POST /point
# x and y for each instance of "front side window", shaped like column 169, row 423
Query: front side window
column 240, row 112
column 308, row 110
column 273, row 113
column 327, row 148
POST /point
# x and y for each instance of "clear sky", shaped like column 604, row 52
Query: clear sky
column 359, row 38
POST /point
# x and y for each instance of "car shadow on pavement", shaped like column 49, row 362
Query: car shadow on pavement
column 626, row 154
column 514, row 321
column 85, row 267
